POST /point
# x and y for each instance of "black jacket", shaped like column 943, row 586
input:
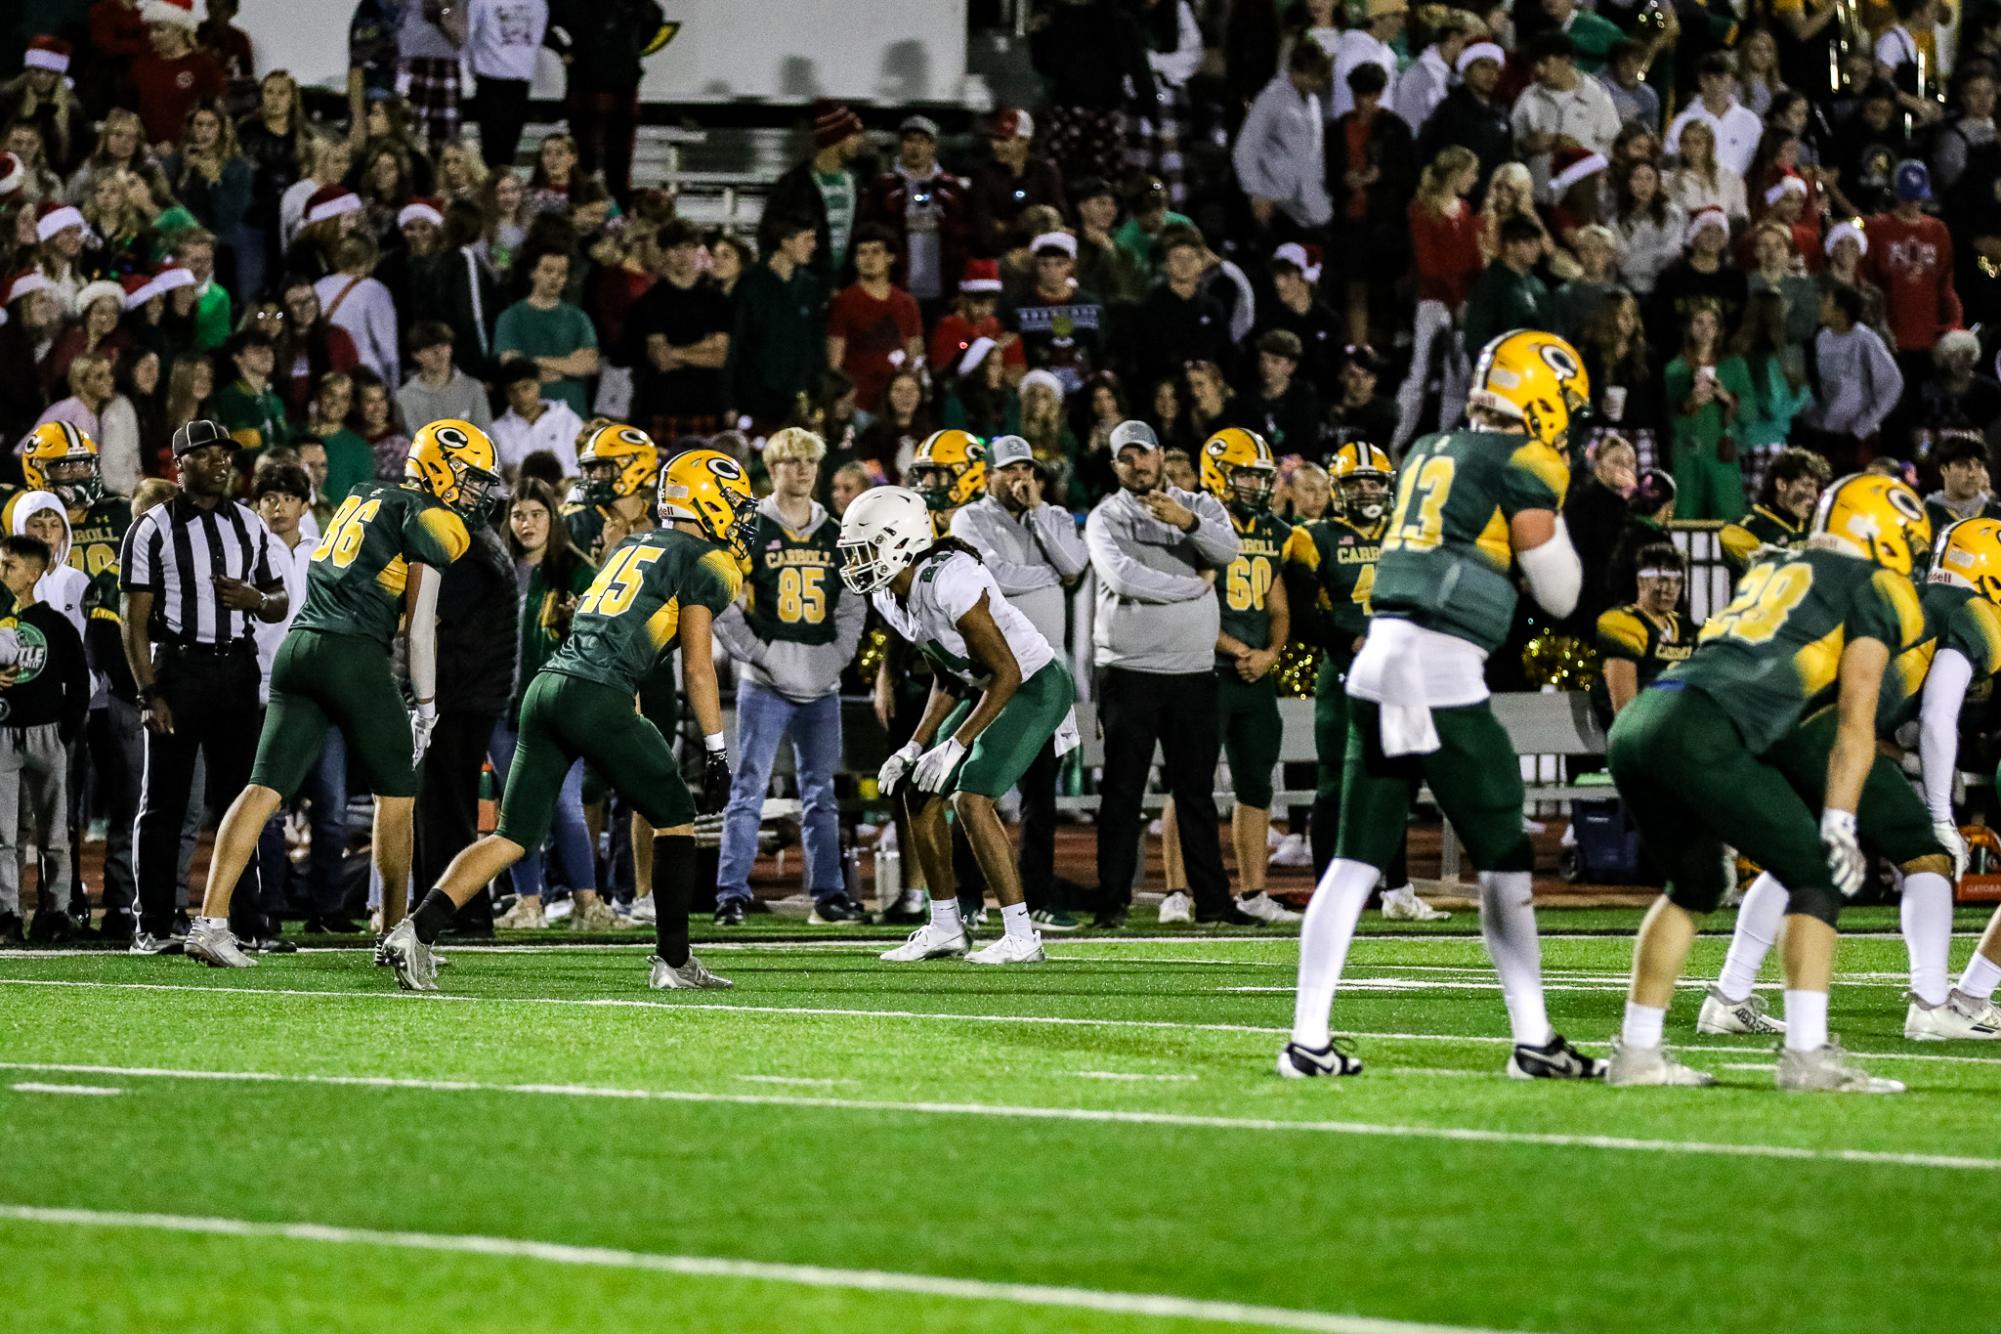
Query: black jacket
column 1464, row 119
column 54, row 685
column 1171, row 332
column 1088, row 53
column 478, row 620
column 600, row 41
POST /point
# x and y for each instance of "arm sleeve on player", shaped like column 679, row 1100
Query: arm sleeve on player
column 1553, row 572
column 424, row 633
column 1938, row 728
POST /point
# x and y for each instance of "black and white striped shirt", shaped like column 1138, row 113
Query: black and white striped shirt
column 178, row 550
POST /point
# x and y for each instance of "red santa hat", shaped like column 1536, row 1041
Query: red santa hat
column 52, row 217
column 49, row 53
column 1702, row 220
column 1790, row 183
column 1573, row 166
column 138, row 289
column 180, row 13
column 982, row 275
column 12, row 176
column 167, row 277
column 975, row 353
column 1843, row 230
column 331, row 201
column 428, row 209
column 1305, row 258
column 22, row 284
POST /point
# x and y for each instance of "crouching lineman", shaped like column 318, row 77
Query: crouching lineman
column 1472, row 506
column 1713, row 752
column 380, row 556
column 1959, row 647
column 936, row 594
column 656, row 589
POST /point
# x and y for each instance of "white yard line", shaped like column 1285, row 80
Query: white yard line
column 1087, row 1115
column 791, row 1079
column 79, row 1090
column 1138, row 1304
column 1132, row 1077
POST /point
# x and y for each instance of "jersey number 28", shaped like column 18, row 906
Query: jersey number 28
column 1763, row 602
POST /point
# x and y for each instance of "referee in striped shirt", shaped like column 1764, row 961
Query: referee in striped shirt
column 197, row 572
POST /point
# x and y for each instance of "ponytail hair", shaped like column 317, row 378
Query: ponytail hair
column 1434, row 185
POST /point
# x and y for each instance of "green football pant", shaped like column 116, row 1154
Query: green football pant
column 320, row 679
column 659, row 704
column 1001, row 754
column 1692, row 788
column 1892, row 821
column 566, row 718
column 1474, row 775
column 1247, row 717
column 1330, row 749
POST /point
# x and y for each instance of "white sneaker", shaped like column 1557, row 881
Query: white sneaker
column 1010, row 949
column 690, row 976
column 1266, row 908
column 644, row 912
column 1636, row 1067
column 593, row 914
column 525, row 915
column 1957, row 1016
column 1827, row 1071
column 216, row 946
column 1403, row 905
column 1177, row 909
column 559, row 910
column 1292, row 851
column 1720, row 1014
column 928, row 942
column 416, row 968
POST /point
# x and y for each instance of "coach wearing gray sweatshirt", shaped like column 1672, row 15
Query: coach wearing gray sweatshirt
column 1156, row 552
column 1033, row 551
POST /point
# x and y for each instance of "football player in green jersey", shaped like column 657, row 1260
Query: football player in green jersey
column 1792, row 488
column 1474, row 507
column 617, row 467
column 1958, row 652
column 1639, row 641
column 1701, row 759
column 377, row 565
column 656, row 591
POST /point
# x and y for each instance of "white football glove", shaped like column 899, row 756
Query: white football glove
column 896, row 766
column 423, row 721
column 1948, row 835
column 935, row 768
column 1844, row 854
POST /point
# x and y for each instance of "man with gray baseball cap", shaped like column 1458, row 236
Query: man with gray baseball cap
column 1156, row 551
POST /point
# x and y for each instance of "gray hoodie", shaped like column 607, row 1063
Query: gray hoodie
column 1029, row 557
column 1155, row 611
column 800, row 672
column 460, row 398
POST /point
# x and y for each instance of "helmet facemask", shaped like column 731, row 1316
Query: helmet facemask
column 1365, row 494
column 935, row 482
column 1251, row 489
column 74, row 479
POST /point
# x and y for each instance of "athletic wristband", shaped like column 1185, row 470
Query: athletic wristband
column 715, row 743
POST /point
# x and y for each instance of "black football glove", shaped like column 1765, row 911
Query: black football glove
column 715, row 782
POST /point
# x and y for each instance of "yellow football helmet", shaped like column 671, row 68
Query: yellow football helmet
column 1364, row 477
column 617, row 461
column 454, row 461
column 1534, row 378
column 1877, row 518
column 950, row 469
column 1969, row 556
column 59, row 458
column 711, row 490
column 1226, row 457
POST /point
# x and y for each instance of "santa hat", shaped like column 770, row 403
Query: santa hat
column 1853, row 228
column 331, row 201
column 975, row 353
column 1479, row 51
column 93, row 293
column 138, row 289
column 1044, row 378
column 1302, row 257
column 180, row 13
column 52, row 217
column 428, row 209
column 1055, row 241
column 169, row 276
column 1790, row 183
column 1705, row 218
column 49, row 53
column 1573, row 166
column 22, row 284
column 982, row 275
column 12, row 175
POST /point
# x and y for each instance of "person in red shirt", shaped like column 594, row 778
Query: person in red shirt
column 972, row 318
column 1910, row 259
column 174, row 75
column 873, row 326
column 1445, row 236
column 117, row 38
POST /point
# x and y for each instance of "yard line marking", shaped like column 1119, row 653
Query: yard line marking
column 1088, row 1115
column 83, row 1090
column 1146, row 1304
column 1129, row 1076
column 791, row 1079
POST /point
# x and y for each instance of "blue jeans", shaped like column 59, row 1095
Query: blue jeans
column 326, row 796
column 572, row 840
column 763, row 717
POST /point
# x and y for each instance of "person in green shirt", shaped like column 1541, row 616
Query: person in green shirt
column 1147, row 217
column 350, row 460
column 1707, row 394
column 557, row 336
column 1592, row 34
column 248, row 406
column 194, row 250
column 1509, row 295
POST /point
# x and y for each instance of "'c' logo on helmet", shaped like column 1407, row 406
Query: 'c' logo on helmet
column 726, row 468
column 1905, row 503
column 1559, row 360
column 631, row 437
column 452, row 438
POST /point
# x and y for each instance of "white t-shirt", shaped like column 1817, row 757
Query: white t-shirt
column 946, row 588
column 292, row 566
column 504, row 36
column 515, row 437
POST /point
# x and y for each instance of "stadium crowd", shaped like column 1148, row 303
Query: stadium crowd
column 1772, row 230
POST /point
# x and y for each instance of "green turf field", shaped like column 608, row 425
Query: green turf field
column 1096, row 1143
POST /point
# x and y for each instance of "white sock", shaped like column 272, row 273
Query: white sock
column 945, row 915
column 1014, row 918
column 1400, row 892
column 1806, row 1020
column 1507, row 924
column 216, row 923
column 1980, row 978
column 1927, row 918
column 1323, row 947
column 1758, row 919
column 1643, row 1025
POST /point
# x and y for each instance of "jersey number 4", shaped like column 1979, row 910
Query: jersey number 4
column 1763, row 602
column 342, row 540
column 1426, row 488
column 618, row 583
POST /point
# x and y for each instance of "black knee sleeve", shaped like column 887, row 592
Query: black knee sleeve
column 1814, row 901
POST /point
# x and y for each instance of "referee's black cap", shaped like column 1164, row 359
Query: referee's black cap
column 199, row 434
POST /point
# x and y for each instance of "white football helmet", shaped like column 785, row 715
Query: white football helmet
column 884, row 530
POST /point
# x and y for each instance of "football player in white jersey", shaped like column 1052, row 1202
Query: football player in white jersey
column 999, row 694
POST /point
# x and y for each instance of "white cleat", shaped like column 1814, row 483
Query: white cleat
column 1334, row 1059
column 1010, row 949
column 1721, row 1015
column 1177, row 909
column 644, row 911
column 1293, row 851
column 415, row 965
column 928, row 942
column 690, row 976
column 1957, row 1016
column 1640, row 1067
column 1403, row 905
column 1266, row 908
column 216, row 946
column 1827, row 1071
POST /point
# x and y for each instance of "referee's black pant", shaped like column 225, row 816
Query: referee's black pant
column 447, row 819
column 1136, row 710
column 213, row 695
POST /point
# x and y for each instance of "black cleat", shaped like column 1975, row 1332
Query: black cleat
column 1109, row 919
column 837, row 910
column 730, row 912
column 10, row 929
column 1555, row 1059
column 50, row 927
column 1297, row 1062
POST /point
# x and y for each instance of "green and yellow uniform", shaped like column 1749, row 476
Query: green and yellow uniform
column 1652, row 644
column 1345, row 572
column 586, row 522
column 580, row 705
column 1447, row 566
column 333, row 667
column 1943, row 518
column 1247, row 711
column 1697, row 756
column 1762, row 527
